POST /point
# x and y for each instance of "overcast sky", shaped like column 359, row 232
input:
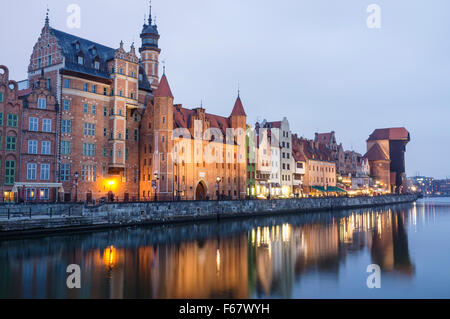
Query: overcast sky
column 314, row 61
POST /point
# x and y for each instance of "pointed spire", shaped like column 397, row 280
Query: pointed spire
column 47, row 20
column 238, row 109
column 150, row 14
column 163, row 88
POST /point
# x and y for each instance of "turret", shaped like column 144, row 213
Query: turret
column 150, row 51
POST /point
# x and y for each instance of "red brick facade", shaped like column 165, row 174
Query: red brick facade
column 10, row 110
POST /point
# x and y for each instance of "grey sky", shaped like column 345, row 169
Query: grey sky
column 314, row 61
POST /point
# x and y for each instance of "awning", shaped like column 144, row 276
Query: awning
column 329, row 189
column 37, row 185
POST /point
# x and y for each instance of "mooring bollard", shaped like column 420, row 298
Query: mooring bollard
column 30, row 212
column 8, row 213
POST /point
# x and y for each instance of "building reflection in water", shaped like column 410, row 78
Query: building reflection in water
column 262, row 258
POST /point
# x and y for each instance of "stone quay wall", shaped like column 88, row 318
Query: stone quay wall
column 76, row 217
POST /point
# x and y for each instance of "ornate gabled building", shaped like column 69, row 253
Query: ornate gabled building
column 39, row 145
column 190, row 154
column 10, row 110
column 320, row 170
column 115, row 121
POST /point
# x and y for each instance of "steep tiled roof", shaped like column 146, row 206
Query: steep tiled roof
column 102, row 53
column 324, row 137
column 183, row 119
column 69, row 50
column 304, row 150
column 396, row 133
column 376, row 154
column 163, row 89
column 238, row 109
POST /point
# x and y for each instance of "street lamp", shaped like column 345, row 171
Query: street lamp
column 76, row 186
column 155, row 185
column 218, row 180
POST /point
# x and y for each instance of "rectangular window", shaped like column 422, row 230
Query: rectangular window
column 105, row 91
column 120, row 93
column 66, row 83
column 32, row 147
column 31, row 193
column 31, row 171
column 11, row 143
column 10, row 172
column 66, row 126
column 89, row 129
column 46, row 148
column 44, row 194
column 39, row 63
column 33, row 124
column 126, row 154
column 65, row 172
column 1, row 97
column 1, row 118
column 136, row 135
column 42, row 103
column 88, row 173
column 94, row 88
column 65, row 147
column 94, row 109
column 12, row 120
column 105, row 111
column 47, row 125
column 85, row 87
column 105, row 153
column 49, row 60
column 45, row 172
column 66, row 105
column 88, row 149
column 85, row 109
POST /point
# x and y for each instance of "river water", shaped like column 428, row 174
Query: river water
column 317, row 255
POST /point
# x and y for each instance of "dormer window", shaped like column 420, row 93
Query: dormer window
column 141, row 77
column 77, row 46
column 97, row 65
column 80, row 60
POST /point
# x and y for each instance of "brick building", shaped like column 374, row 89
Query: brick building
column 320, row 171
column 38, row 145
column 386, row 154
column 10, row 109
column 114, row 125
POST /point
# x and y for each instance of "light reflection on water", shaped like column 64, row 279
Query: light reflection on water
column 318, row 255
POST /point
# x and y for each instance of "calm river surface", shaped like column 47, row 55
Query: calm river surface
column 317, row 255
